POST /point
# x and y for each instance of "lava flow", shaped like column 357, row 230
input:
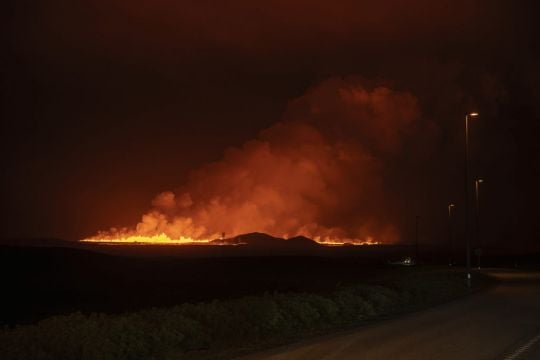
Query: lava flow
column 160, row 239
column 163, row 239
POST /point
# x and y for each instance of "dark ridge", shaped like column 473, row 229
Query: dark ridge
column 258, row 239
column 302, row 241
column 262, row 240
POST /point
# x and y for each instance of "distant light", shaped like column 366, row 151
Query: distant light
column 473, row 114
column 480, row 180
column 451, row 205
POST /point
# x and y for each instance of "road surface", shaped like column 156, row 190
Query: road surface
column 502, row 322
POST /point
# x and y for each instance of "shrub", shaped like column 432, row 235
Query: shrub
column 217, row 325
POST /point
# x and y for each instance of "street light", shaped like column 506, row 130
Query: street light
column 467, row 200
column 477, row 183
column 450, row 207
column 417, row 260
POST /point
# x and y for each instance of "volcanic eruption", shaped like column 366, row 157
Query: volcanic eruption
column 319, row 173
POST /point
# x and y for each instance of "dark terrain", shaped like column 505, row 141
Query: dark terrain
column 51, row 277
column 40, row 282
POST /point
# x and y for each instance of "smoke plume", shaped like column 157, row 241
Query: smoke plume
column 319, row 172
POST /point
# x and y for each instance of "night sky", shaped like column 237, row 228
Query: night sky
column 107, row 103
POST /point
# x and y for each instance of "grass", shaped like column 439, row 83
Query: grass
column 212, row 329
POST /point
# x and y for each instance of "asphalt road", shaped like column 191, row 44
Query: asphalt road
column 502, row 322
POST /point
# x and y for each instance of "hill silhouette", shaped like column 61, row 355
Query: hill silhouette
column 262, row 240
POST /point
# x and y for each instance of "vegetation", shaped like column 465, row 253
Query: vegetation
column 207, row 330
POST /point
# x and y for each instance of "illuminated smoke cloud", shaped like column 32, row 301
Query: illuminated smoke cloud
column 318, row 173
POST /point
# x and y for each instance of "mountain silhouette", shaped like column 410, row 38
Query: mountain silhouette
column 262, row 240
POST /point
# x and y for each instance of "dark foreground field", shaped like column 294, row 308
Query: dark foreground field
column 195, row 308
column 76, row 303
column 39, row 282
column 58, row 277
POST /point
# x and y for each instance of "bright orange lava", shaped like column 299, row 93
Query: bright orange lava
column 163, row 239
column 340, row 242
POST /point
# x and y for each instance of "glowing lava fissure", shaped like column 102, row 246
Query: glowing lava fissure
column 163, row 239
column 320, row 173
column 160, row 239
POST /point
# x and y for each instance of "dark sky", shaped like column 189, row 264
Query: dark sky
column 105, row 103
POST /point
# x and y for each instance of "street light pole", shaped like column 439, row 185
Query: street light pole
column 417, row 239
column 450, row 231
column 467, row 200
column 477, row 183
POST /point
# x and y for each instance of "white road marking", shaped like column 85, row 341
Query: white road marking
column 516, row 354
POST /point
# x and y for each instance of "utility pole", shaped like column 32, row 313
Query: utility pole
column 417, row 257
column 450, row 234
column 467, row 200
column 477, row 183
